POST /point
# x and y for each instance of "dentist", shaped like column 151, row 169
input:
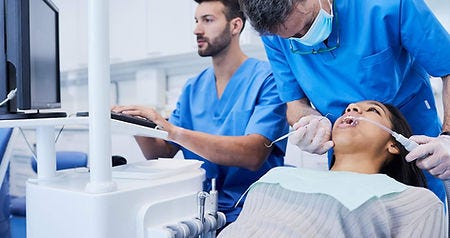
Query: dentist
column 326, row 54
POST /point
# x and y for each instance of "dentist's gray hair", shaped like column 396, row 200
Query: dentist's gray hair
column 266, row 16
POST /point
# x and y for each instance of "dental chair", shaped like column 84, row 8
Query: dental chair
column 66, row 160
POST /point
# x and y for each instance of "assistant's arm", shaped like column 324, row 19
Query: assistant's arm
column 154, row 148
column 247, row 151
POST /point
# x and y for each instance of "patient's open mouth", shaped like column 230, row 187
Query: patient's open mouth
column 349, row 120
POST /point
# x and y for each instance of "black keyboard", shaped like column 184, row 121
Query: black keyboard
column 126, row 118
column 132, row 119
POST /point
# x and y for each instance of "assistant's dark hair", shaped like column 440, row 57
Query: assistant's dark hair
column 232, row 9
column 397, row 167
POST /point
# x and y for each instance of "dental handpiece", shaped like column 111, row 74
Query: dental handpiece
column 407, row 143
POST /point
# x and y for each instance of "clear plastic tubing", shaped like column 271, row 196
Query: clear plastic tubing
column 407, row 143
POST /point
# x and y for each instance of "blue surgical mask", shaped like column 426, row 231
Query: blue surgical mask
column 319, row 30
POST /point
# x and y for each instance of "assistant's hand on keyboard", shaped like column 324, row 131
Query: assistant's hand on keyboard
column 145, row 112
column 133, row 119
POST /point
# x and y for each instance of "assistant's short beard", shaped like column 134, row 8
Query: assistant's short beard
column 217, row 44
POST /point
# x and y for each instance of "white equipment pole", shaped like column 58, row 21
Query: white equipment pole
column 99, row 94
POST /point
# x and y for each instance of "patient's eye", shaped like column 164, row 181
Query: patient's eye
column 373, row 109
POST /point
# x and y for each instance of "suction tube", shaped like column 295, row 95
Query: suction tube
column 407, row 143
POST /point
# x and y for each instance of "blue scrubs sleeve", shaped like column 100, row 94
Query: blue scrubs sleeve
column 269, row 116
column 425, row 38
column 288, row 87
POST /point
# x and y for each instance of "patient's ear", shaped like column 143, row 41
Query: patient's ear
column 393, row 148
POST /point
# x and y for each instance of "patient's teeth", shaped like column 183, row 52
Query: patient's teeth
column 350, row 120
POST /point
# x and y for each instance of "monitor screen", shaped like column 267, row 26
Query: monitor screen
column 4, row 85
column 31, row 37
column 44, row 88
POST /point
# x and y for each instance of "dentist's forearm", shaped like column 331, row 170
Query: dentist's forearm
column 298, row 109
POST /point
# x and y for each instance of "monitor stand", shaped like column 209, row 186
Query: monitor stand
column 35, row 115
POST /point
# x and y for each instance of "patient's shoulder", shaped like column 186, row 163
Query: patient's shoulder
column 415, row 211
column 413, row 199
column 419, row 194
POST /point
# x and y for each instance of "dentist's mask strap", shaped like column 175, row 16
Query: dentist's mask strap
column 320, row 29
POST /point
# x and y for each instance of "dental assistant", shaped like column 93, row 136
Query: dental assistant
column 226, row 114
column 327, row 54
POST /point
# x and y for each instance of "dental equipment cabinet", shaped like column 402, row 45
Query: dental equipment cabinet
column 155, row 198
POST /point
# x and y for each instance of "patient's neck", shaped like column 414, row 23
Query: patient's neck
column 357, row 162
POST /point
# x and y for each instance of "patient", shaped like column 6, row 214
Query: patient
column 371, row 191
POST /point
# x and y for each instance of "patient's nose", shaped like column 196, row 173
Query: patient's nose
column 352, row 107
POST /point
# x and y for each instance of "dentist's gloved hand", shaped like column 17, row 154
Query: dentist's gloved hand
column 312, row 134
column 432, row 154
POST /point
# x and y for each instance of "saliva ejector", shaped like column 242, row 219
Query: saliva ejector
column 407, row 143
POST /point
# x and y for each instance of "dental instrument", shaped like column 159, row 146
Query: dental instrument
column 407, row 143
column 290, row 133
column 281, row 138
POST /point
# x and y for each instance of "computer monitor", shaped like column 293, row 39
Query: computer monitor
column 3, row 75
column 31, row 37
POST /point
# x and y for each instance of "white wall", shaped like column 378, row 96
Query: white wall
column 138, row 29
column 441, row 9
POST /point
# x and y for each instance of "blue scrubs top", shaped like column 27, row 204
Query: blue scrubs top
column 249, row 105
column 387, row 50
